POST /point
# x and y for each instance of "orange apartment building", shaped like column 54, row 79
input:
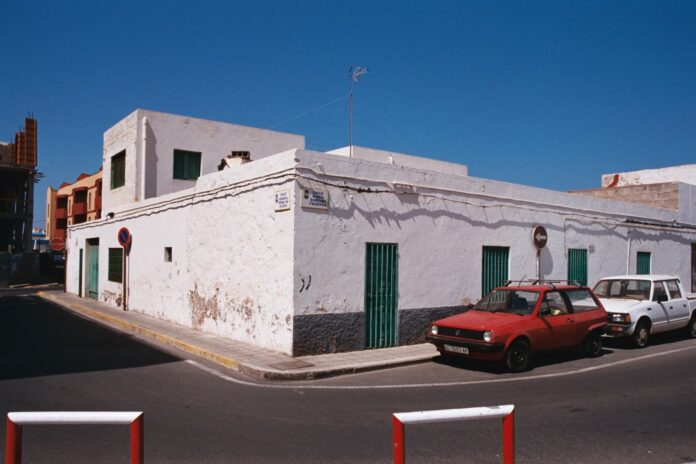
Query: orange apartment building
column 73, row 203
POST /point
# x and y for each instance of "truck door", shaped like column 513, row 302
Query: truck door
column 658, row 309
column 677, row 305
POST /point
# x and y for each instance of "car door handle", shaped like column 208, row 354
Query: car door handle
column 571, row 320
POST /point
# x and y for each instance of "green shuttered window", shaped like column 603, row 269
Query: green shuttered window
column 577, row 266
column 643, row 263
column 115, row 264
column 381, row 294
column 118, row 170
column 187, row 164
column 495, row 268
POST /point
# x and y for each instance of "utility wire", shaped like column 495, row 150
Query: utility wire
column 320, row 107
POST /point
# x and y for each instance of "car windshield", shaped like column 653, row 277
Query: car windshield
column 633, row 289
column 508, row 301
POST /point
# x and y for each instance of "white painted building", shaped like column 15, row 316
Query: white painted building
column 306, row 252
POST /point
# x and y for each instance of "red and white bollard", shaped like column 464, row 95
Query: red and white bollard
column 16, row 420
column 506, row 412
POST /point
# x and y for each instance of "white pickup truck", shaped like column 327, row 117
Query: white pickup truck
column 641, row 305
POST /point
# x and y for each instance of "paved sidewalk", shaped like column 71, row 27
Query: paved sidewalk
column 236, row 355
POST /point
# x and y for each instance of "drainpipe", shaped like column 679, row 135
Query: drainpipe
column 628, row 252
column 143, row 157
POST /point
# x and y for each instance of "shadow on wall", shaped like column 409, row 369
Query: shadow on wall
column 151, row 162
column 38, row 339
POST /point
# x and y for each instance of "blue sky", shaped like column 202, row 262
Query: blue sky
column 543, row 93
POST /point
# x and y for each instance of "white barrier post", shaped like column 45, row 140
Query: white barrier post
column 506, row 412
column 16, row 420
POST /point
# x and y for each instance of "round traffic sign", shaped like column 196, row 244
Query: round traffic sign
column 124, row 237
column 57, row 244
column 540, row 237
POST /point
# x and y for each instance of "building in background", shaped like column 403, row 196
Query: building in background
column 73, row 203
column 18, row 162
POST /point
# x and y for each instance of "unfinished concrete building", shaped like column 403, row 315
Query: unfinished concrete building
column 17, row 173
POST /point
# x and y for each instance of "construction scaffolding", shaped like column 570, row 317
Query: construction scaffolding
column 17, row 176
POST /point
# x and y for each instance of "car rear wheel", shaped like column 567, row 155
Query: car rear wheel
column 593, row 344
column 518, row 357
column 691, row 328
column 641, row 334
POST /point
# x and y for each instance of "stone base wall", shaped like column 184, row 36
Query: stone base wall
column 335, row 333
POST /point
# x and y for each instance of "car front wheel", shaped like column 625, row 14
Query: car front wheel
column 593, row 344
column 641, row 335
column 518, row 357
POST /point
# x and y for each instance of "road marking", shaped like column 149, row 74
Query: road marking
column 301, row 386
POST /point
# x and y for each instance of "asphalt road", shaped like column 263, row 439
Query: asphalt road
column 633, row 406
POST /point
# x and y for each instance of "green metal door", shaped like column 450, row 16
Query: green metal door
column 79, row 277
column 381, row 294
column 495, row 268
column 643, row 263
column 93, row 269
column 577, row 266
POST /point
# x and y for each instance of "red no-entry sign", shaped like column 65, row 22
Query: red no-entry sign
column 124, row 237
column 57, row 244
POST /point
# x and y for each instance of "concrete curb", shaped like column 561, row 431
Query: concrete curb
column 228, row 362
column 117, row 323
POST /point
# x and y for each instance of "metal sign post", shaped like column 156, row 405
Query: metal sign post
column 124, row 239
column 540, row 238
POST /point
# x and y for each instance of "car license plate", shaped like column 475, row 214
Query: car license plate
column 457, row 349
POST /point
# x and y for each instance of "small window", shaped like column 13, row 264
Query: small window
column 673, row 287
column 659, row 291
column 116, row 264
column 187, row 164
column 118, row 170
column 582, row 300
column 167, row 254
column 554, row 304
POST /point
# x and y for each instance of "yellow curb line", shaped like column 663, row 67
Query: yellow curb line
column 166, row 339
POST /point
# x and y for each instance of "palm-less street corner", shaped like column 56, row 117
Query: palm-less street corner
column 197, row 410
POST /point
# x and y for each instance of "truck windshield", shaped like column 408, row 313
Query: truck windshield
column 623, row 288
column 508, row 301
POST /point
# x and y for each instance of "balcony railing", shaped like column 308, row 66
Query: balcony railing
column 79, row 208
column 61, row 213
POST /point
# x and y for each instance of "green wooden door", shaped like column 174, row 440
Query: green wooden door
column 643, row 263
column 577, row 266
column 381, row 294
column 495, row 268
column 93, row 270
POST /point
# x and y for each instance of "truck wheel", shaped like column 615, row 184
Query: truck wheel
column 518, row 356
column 593, row 344
column 691, row 328
column 641, row 334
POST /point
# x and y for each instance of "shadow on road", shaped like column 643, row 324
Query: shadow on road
column 38, row 339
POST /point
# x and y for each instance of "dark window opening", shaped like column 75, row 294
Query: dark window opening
column 168, row 254
column 116, row 264
column 118, row 170
column 187, row 164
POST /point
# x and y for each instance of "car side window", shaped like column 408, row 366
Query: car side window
column 673, row 288
column 554, row 304
column 659, row 290
column 581, row 300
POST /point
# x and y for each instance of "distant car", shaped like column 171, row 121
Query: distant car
column 641, row 305
column 512, row 322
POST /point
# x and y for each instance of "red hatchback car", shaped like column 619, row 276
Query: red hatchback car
column 512, row 322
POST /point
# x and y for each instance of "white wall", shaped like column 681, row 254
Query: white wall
column 441, row 230
column 150, row 137
column 685, row 173
column 232, row 255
